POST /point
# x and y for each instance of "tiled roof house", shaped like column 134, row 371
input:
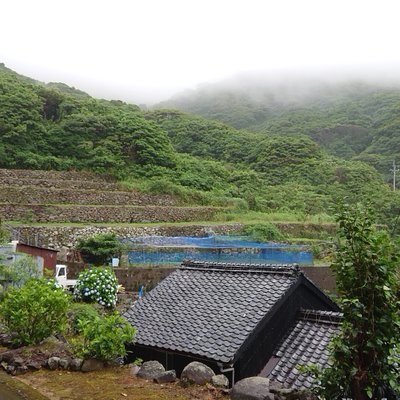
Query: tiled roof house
column 232, row 317
column 305, row 342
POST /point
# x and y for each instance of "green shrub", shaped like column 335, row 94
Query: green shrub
column 264, row 232
column 97, row 285
column 35, row 311
column 79, row 312
column 99, row 249
column 104, row 338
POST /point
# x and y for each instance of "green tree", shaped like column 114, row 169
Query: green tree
column 365, row 269
column 98, row 249
column 35, row 311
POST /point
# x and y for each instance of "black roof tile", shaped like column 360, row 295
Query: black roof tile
column 209, row 309
column 306, row 343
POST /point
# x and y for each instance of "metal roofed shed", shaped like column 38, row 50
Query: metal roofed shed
column 226, row 315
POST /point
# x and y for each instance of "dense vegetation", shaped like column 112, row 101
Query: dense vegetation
column 34, row 312
column 276, row 173
column 353, row 120
column 199, row 161
column 365, row 354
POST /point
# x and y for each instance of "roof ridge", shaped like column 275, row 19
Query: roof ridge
column 282, row 269
column 331, row 317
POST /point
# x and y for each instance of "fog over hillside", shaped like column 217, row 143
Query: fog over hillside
column 288, row 85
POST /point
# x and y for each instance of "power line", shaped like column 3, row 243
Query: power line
column 394, row 170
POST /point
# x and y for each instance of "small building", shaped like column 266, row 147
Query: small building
column 46, row 258
column 231, row 317
column 305, row 343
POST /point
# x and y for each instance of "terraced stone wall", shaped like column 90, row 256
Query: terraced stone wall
column 98, row 214
column 54, row 175
column 50, row 195
column 58, row 237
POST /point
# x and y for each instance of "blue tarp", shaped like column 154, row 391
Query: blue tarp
column 165, row 250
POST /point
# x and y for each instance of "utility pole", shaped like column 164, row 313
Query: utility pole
column 394, row 170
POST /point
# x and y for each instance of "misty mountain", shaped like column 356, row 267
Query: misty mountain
column 197, row 160
column 357, row 120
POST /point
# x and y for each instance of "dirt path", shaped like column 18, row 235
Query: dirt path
column 111, row 384
column 13, row 389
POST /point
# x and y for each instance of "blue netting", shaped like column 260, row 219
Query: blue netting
column 172, row 250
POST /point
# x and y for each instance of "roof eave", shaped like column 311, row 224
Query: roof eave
column 224, row 360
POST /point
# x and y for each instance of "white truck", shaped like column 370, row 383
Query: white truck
column 61, row 277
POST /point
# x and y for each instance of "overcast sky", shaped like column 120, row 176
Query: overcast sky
column 144, row 51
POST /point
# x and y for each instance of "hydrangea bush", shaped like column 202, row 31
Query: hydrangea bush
column 97, row 285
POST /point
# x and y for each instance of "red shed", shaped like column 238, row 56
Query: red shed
column 49, row 256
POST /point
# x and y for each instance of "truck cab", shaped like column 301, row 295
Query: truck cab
column 61, row 277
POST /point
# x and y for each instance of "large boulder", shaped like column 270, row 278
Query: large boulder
column 64, row 363
column 253, row 388
column 52, row 362
column 76, row 364
column 220, row 381
column 92, row 364
column 150, row 370
column 198, row 373
column 166, row 377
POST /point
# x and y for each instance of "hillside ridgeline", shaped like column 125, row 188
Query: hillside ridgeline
column 194, row 161
column 351, row 119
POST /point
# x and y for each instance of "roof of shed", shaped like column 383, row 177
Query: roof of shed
column 306, row 343
column 209, row 309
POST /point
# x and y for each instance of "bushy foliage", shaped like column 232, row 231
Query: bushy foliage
column 35, row 311
column 98, row 249
column 58, row 127
column 97, row 285
column 79, row 312
column 365, row 268
column 104, row 337
column 264, row 232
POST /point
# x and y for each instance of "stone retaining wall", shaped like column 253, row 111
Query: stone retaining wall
column 132, row 278
column 58, row 237
column 51, row 195
column 59, row 183
column 54, row 175
column 128, row 214
column 308, row 230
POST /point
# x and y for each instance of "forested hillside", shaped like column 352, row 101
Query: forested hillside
column 352, row 120
column 53, row 126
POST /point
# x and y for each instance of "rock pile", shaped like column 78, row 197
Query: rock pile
column 52, row 353
column 253, row 388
